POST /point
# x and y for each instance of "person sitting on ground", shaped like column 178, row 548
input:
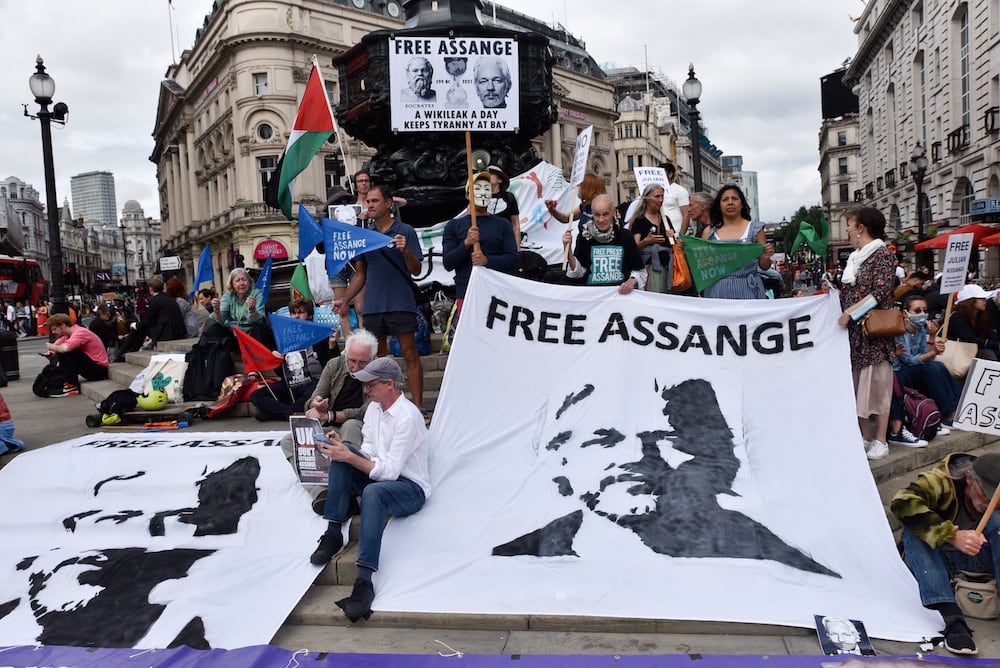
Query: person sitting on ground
column 939, row 512
column 202, row 308
column 238, row 308
column 605, row 253
column 104, row 327
column 300, row 371
column 177, row 291
column 77, row 351
column 389, row 472
column 916, row 366
column 913, row 284
column 970, row 324
column 162, row 322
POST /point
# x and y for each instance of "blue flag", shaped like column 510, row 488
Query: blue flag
column 204, row 272
column 310, row 233
column 264, row 282
column 342, row 242
column 293, row 334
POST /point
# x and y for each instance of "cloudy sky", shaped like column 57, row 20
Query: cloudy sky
column 760, row 65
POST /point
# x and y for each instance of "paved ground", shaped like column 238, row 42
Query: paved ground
column 40, row 422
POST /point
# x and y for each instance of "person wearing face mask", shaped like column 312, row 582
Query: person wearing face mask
column 916, row 366
column 497, row 247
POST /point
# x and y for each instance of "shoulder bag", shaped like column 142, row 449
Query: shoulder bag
column 883, row 322
column 682, row 273
column 958, row 356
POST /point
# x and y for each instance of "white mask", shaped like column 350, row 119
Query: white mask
column 482, row 193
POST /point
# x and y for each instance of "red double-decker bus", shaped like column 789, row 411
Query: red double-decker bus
column 21, row 280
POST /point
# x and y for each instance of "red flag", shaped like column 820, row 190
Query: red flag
column 256, row 356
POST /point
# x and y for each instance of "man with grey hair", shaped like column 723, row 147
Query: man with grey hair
column 701, row 203
column 492, row 79
column 605, row 253
column 338, row 400
column 419, row 79
column 389, row 472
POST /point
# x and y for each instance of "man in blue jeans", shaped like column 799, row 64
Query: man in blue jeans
column 389, row 472
column 940, row 511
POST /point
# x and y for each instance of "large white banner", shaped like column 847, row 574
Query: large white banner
column 448, row 84
column 649, row 456
column 153, row 540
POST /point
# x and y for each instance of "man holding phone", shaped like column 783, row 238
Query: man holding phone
column 389, row 472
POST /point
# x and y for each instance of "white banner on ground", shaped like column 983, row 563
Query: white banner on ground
column 956, row 262
column 453, row 84
column 979, row 406
column 649, row 456
column 153, row 539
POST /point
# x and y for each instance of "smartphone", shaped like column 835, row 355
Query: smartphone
column 320, row 438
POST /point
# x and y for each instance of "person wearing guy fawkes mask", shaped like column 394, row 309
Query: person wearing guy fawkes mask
column 496, row 248
column 605, row 254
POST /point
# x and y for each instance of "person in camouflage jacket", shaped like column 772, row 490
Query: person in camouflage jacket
column 939, row 512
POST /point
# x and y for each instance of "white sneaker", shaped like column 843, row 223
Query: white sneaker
column 943, row 430
column 906, row 439
column 878, row 450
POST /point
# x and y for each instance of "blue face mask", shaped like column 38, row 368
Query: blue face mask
column 918, row 319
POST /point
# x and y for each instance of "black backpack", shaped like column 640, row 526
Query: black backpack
column 49, row 381
column 118, row 402
column 209, row 362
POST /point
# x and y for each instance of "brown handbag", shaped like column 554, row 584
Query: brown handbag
column 881, row 322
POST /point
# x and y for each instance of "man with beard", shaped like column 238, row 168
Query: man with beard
column 492, row 79
column 419, row 79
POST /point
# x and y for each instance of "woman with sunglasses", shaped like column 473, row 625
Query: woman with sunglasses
column 916, row 366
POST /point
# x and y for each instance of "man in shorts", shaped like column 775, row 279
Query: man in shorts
column 390, row 308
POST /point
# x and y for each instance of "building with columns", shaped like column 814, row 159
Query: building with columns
column 226, row 108
column 23, row 221
column 927, row 76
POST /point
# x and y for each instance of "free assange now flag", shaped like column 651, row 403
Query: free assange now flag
column 292, row 334
column 313, row 126
column 711, row 260
column 650, row 464
column 343, row 242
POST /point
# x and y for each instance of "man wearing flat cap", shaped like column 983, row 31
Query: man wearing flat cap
column 389, row 473
column 940, row 512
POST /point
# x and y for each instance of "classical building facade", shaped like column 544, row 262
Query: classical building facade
column 840, row 177
column 141, row 239
column 23, row 225
column 926, row 72
column 226, row 109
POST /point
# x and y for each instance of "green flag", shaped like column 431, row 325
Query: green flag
column 712, row 260
column 816, row 240
column 300, row 283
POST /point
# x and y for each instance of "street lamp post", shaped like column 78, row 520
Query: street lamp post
column 43, row 88
column 692, row 93
column 918, row 169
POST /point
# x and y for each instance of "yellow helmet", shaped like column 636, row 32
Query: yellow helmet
column 153, row 401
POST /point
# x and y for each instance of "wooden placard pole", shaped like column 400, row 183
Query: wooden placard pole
column 989, row 511
column 943, row 333
column 470, row 185
column 566, row 251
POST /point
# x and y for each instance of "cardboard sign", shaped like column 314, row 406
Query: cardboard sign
column 645, row 176
column 580, row 157
column 956, row 262
column 979, row 406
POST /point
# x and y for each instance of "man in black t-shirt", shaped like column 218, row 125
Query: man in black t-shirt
column 605, row 253
column 504, row 204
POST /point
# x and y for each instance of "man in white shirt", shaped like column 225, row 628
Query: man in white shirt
column 389, row 472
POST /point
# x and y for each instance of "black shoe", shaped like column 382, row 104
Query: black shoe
column 330, row 544
column 958, row 637
column 319, row 503
column 359, row 603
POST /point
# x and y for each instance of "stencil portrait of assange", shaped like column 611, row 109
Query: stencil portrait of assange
column 672, row 508
column 105, row 597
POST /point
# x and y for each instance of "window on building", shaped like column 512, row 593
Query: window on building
column 260, row 84
column 640, row 161
column 265, row 167
column 842, row 166
column 333, row 171
column 920, row 113
column 331, row 91
column 842, row 138
column 966, row 203
column 629, row 130
column 845, row 195
column 265, row 131
column 631, row 163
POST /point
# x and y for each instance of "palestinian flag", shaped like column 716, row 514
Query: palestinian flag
column 313, row 125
